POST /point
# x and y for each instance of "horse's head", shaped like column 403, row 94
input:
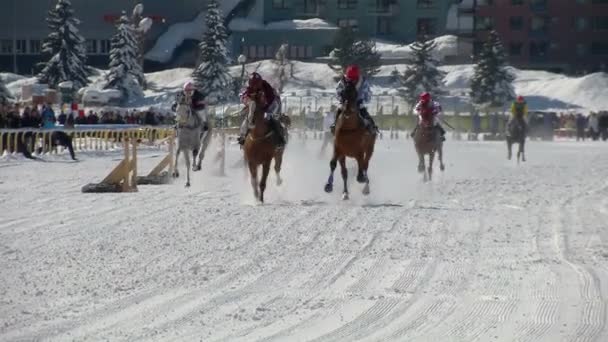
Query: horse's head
column 350, row 93
column 183, row 109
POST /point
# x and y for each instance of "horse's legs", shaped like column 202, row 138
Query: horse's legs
column 431, row 160
column 253, row 173
column 421, row 165
column 175, row 171
column 187, row 157
column 440, row 156
column 278, row 161
column 344, row 177
column 522, row 149
column 265, row 171
column 329, row 187
column 509, row 148
column 203, row 147
column 361, row 165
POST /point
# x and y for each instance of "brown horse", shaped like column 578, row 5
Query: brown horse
column 260, row 148
column 351, row 139
column 428, row 141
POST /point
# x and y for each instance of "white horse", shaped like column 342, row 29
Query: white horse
column 191, row 136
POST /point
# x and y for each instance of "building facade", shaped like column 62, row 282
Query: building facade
column 23, row 26
column 560, row 35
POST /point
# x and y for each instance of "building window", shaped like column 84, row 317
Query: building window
column 279, row 4
column 352, row 23
column 311, row 6
column 261, row 51
column 516, row 23
column 581, row 49
column 517, row 2
column 35, row 46
column 426, row 4
column 539, row 24
column 293, row 51
column 485, row 2
column 383, row 25
column 581, row 24
column 104, row 46
column 21, row 46
column 599, row 48
column 251, row 52
column 6, row 46
column 484, row 23
column 270, row 51
column 599, row 23
column 538, row 49
column 91, row 46
column 515, row 49
column 301, row 52
column 309, row 51
column 347, row 4
column 426, row 26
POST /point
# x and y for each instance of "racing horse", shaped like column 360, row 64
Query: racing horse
column 516, row 134
column 260, row 146
column 351, row 139
column 427, row 141
column 190, row 128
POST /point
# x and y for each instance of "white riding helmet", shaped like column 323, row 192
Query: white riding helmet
column 188, row 86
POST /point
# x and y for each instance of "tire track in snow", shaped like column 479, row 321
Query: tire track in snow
column 388, row 309
column 593, row 313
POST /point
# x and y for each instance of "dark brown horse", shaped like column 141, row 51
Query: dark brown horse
column 516, row 134
column 260, row 147
column 427, row 141
column 353, row 140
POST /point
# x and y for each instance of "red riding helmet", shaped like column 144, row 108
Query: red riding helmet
column 425, row 97
column 353, row 73
column 520, row 99
column 255, row 80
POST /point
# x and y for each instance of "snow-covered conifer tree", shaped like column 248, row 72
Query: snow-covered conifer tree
column 491, row 85
column 65, row 47
column 350, row 49
column 422, row 74
column 211, row 76
column 5, row 95
column 124, row 65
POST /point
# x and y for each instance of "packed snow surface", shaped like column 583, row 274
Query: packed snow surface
column 488, row 251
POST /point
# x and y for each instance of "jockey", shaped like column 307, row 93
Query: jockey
column 353, row 74
column 272, row 109
column 428, row 112
column 198, row 102
column 519, row 112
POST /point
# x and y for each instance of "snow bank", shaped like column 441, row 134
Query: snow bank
column 244, row 24
column 177, row 33
column 446, row 46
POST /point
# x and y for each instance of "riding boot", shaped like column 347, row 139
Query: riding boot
column 441, row 132
column 332, row 128
column 275, row 127
column 414, row 131
column 369, row 121
column 241, row 138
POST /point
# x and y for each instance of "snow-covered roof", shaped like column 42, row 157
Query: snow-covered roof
column 177, row 33
column 446, row 46
column 244, row 24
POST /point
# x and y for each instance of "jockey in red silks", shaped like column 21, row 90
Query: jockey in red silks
column 364, row 93
column 429, row 113
column 272, row 107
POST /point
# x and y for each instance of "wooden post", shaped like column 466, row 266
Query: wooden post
column 171, row 153
column 223, row 152
column 126, row 167
column 134, row 166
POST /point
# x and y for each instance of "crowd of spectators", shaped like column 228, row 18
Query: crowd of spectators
column 16, row 116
